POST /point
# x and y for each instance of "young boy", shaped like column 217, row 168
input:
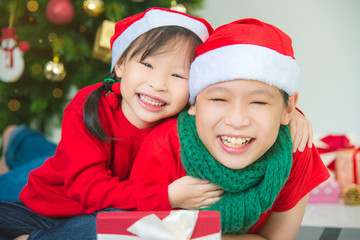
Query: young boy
column 243, row 86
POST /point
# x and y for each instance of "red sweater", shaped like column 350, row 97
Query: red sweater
column 159, row 159
column 86, row 174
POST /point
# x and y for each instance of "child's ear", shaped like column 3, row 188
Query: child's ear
column 119, row 68
column 290, row 109
column 192, row 110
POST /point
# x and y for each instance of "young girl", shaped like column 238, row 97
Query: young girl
column 151, row 54
column 243, row 93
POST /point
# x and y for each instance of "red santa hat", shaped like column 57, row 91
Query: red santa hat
column 245, row 49
column 128, row 29
column 8, row 33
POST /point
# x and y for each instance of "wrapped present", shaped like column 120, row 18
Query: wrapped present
column 347, row 169
column 346, row 165
column 158, row 225
column 326, row 192
column 102, row 47
column 330, row 144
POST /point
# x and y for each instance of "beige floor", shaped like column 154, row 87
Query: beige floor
column 332, row 215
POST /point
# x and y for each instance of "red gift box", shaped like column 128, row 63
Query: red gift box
column 180, row 224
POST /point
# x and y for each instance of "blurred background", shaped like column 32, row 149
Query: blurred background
column 51, row 48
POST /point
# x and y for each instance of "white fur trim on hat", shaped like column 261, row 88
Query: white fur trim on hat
column 243, row 61
column 152, row 19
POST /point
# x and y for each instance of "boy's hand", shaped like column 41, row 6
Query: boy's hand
column 192, row 193
column 301, row 132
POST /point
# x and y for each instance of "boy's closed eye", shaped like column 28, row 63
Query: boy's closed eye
column 218, row 100
column 259, row 103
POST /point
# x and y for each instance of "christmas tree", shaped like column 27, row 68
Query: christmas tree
column 52, row 48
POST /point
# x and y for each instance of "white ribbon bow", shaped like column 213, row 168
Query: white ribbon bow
column 178, row 225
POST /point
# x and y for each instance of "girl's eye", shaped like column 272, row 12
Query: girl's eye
column 146, row 65
column 178, row 76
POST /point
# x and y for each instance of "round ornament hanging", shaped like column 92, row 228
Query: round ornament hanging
column 54, row 71
column 93, row 8
column 177, row 6
column 60, row 12
column 12, row 63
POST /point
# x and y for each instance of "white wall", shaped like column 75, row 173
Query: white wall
column 326, row 41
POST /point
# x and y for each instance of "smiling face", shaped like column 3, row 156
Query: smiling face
column 156, row 87
column 239, row 120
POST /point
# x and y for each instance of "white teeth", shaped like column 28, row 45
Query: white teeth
column 235, row 142
column 151, row 101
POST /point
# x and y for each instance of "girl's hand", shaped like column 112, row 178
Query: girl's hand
column 301, row 132
column 192, row 193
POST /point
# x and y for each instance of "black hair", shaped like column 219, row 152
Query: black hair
column 147, row 44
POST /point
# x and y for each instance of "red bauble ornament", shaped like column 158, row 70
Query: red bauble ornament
column 60, row 12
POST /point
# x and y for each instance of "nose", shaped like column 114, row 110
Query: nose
column 158, row 82
column 237, row 118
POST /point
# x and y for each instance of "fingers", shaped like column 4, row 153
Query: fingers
column 191, row 193
column 301, row 135
column 194, row 181
column 208, row 202
column 311, row 136
column 296, row 137
column 307, row 138
column 203, row 184
column 209, row 198
column 304, row 139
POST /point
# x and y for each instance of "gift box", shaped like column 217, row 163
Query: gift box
column 346, row 162
column 102, row 47
column 347, row 169
column 326, row 192
column 158, row 225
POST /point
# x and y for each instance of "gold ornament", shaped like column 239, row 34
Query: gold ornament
column 93, row 8
column 14, row 105
column 32, row 6
column 352, row 195
column 54, row 70
column 177, row 6
column 102, row 47
column 57, row 93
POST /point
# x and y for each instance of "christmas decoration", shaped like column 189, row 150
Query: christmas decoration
column 102, row 49
column 11, row 55
column 57, row 93
column 93, row 8
column 14, row 105
column 54, row 71
column 36, row 101
column 32, row 6
column 177, row 6
column 352, row 195
column 60, row 12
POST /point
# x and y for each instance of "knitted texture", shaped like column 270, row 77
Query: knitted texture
column 249, row 191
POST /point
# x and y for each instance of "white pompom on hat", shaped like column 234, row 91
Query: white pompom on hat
column 128, row 29
column 245, row 49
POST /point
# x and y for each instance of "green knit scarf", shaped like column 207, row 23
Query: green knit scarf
column 249, row 191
